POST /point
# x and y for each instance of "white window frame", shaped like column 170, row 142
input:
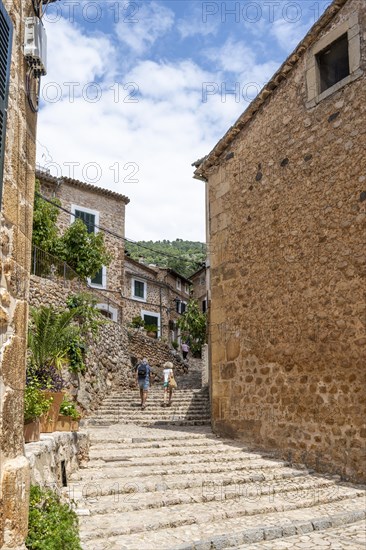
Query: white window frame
column 152, row 314
column 110, row 309
column 104, row 280
column 178, row 284
column 133, row 289
column 87, row 211
column 186, row 288
column 75, row 207
column 352, row 29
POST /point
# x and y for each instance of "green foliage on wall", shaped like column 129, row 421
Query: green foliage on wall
column 84, row 252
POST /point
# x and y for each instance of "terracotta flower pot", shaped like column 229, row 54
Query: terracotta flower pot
column 66, row 424
column 49, row 419
column 32, row 431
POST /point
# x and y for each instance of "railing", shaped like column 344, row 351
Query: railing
column 46, row 266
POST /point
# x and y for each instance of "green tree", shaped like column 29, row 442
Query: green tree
column 50, row 332
column 193, row 325
column 84, row 252
column 45, row 231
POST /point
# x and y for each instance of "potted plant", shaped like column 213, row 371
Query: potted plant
column 68, row 418
column 50, row 334
column 35, row 405
column 151, row 330
column 138, row 322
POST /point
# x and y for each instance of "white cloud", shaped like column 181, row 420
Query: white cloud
column 162, row 134
column 195, row 23
column 288, row 34
column 153, row 21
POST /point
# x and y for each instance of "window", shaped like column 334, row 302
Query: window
column 108, row 311
column 186, row 288
column 87, row 218
column 333, row 63
column 204, row 306
column 151, row 318
column 180, row 306
column 100, row 279
column 139, row 289
column 6, row 32
column 178, row 284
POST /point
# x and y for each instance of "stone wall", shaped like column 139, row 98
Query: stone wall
column 156, row 352
column 47, row 455
column 287, row 232
column 111, row 207
column 108, row 358
column 15, row 243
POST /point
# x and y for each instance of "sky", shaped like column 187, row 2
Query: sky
column 136, row 91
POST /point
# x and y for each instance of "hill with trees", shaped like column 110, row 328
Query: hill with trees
column 183, row 256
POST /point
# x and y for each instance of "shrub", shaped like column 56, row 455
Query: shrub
column 68, row 408
column 53, row 525
column 35, row 403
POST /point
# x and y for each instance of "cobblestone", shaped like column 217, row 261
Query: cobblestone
column 150, row 487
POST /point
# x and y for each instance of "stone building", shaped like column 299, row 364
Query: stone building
column 287, row 212
column 17, row 160
column 157, row 295
column 99, row 209
column 199, row 292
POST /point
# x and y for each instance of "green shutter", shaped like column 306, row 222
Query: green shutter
column 6, row 33
column 88, row 219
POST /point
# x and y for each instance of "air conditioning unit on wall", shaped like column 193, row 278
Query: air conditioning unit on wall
column 35, row 45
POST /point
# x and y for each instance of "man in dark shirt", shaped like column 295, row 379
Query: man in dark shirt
column 143, row 373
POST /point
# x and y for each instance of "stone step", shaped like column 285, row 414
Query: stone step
column 151, row 482
column 147, row 422
column 146, row 416
column 213, row 516
column 301, row 486
column 164, row 453
column 351, row 536
column 171, row 468
column 115, row 438
column 166, row 443
column 152, row 404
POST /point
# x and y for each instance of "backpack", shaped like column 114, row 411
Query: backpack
column 141, row 371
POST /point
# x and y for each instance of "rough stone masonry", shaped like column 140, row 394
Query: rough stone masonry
column 287, row 216
column 15, row 242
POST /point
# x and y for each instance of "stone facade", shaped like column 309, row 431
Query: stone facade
column 17, row 180
column 156, row 352
column 109, row 210
column 287, row 215
column 199, row 291
column 164, row 292
column 108, row 357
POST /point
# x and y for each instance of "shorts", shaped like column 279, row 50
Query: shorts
column 166, row 384
column 144, row 384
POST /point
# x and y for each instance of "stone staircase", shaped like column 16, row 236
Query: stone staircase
column 190, row 407
column 156, row 480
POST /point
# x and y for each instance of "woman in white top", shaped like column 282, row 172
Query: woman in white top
column 168, row 373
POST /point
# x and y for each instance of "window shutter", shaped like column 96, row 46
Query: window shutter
column 6, row 32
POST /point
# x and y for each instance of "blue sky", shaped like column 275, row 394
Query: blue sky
column 136, row 91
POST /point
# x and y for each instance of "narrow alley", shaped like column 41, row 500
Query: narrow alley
column 160, row 479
